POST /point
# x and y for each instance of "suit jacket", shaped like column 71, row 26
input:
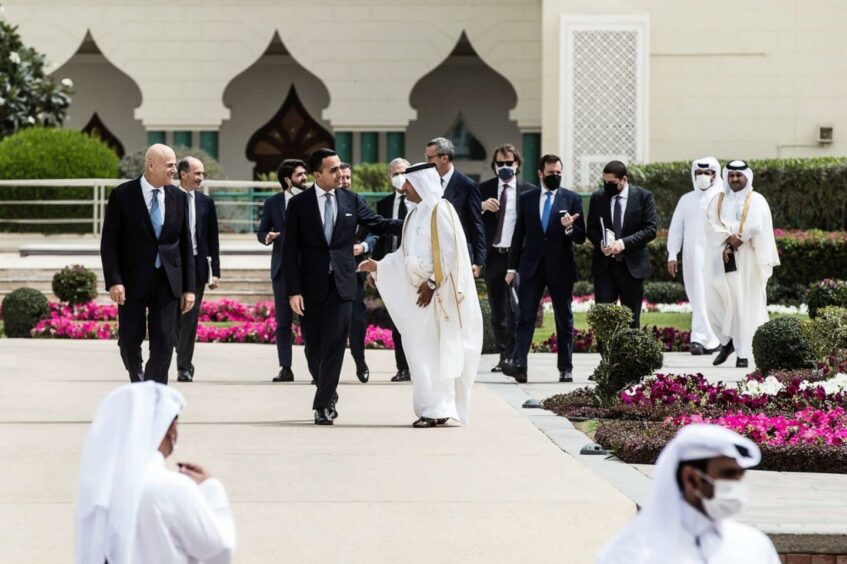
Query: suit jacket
column 488, row 189
column 273, row 219
column 306, row 256
column 385, row 208
column 128, row 244
column 532, row 246
column 463, row 193
column 638, row 228
column 208, row 243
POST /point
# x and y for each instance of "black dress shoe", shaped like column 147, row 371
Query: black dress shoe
column 741, row 363
column 726, row 350
column 424, row 423
column 514, row 371
column 697, row 349
column 184, row 376
column 498, row 367
column 363, row 374
column 402, row 376
column 285, row 375
column 322, row 417
column 565, row 376
column 442, row 421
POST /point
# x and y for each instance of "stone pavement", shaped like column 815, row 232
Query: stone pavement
column 369, row 489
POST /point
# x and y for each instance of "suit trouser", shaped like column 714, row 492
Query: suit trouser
column 618, row 284
column 325, row 327
column 358, row 324
column 399, row 354
column 503, row 319
column 186, row 328
column 284, row 319
column 153, row 313
column 530, row 292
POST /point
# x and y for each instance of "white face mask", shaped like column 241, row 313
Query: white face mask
column 703, row 181
column 730, row 497
column 398, row 181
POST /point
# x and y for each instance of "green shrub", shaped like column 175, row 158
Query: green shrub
column 825, row 293
column 75, row 284
column 583, row 288
column 22, row 310
column 132, row 164
column 827, row 332
column 489, row 345
column 51, row 153
column 607, row 319
column 664, row 292
column 781, row 344
column 631, row 355
column 371, row 177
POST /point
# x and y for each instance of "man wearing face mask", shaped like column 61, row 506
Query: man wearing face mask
column 621, row 260
column 697, row 488
column 741, row 256
column 499, row 215
column 688, row 233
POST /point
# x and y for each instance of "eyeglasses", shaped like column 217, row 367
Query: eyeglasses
column 504, row 163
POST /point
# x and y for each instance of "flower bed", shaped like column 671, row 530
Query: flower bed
column 672, row 339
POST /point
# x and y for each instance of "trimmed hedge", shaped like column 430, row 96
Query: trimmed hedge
column 75, row 284
column 780, row 344
column 22, row 309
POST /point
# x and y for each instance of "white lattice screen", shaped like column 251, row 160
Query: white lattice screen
column 603, row 93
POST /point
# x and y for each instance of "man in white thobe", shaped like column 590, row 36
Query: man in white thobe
column 131, row 508
column 428, row 287
column 688, row 234
column 741, row 255
column 697, row 487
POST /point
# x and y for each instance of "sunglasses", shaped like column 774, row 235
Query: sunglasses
column 504, row 163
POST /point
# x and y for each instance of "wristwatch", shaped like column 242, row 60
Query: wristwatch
column 431, row 284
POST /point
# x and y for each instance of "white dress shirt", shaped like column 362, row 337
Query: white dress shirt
column 320, row 193
column 446, row 178
column 192, row 216
column 624, row 198
column 511, row 212
column 147, row 191
column 181, row 522
column 395, row 209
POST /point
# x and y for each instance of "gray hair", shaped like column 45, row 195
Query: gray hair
column 398, row 161
column 443, row 146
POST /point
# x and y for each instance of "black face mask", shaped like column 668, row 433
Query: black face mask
column 611, row 188
column 552, row 181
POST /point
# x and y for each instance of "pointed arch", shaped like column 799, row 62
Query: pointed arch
column 98, row 130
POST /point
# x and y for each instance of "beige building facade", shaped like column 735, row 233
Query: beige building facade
column 592, row 80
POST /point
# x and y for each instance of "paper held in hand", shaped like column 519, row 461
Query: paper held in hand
column 608, row 234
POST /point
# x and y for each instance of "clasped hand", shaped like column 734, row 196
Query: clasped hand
column 615, row 248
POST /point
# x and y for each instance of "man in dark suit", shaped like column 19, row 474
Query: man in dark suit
column 463, row 193
column 394, row 207
column 148, row 263
column 620, row 266
column 358, row 320
column 549, row 224
column 499, row 215
column 320, row 270
column 292, row 178
column 203, row 222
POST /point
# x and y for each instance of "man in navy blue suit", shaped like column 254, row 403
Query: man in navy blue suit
column 292, row 178
column 549, row 224
column 463, row 193
column 320, row 270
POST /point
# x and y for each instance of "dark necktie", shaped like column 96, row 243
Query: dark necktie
column 504, row 201
column 617, row 220
column 401, row 214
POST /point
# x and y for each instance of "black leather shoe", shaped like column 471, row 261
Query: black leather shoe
column 424, row 423
column 285, row 375
column 565, row 376
column 402, row 376
column 184, row 376
column 726, row 350
column 697, row 349
column 498, row 367
column 363, row 373
column 741, row 363
column 514, row 371
column 322, row 417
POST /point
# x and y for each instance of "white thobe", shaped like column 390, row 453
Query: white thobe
column 442, row 341
column 688, row 234
column 181, row 522
column 737, row 301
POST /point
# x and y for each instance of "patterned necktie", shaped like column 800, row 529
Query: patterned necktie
column 548, row 206
column 501, row 219
column 617, row 221
column 157, row 220
column 329, row 217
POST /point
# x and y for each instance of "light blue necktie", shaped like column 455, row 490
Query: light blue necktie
column 548, row 206
column 329, row 217
column 157, row 219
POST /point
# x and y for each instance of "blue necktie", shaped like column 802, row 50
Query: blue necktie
column 157, row 219
column 548, row 206
column 329, row 217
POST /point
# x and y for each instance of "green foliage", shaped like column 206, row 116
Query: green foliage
column 607, row 319
column 22, row 310
column 631, row 356
column 825, row 293
column 132, row 164
column 75, row 284
column 28, row 97
column 664, row 292
column 827, row 333
column 371, row 177
column 42, row 152
column 583, row 288
column 489, row 345
column 819, row 184
column 781, row 344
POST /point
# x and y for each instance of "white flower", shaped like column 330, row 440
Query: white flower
column 2, row 101
column 67, row 82
column 30, row 120
column 769, row 387
column 803, row 309
column 682, row 307
column 15, row 58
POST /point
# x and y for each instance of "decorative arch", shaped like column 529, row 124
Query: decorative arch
column 98, row 130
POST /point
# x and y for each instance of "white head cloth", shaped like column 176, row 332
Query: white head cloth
column 707, row 163
column 426, row 183
column 658, row 523
column 126, row 431
column 737, row 166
